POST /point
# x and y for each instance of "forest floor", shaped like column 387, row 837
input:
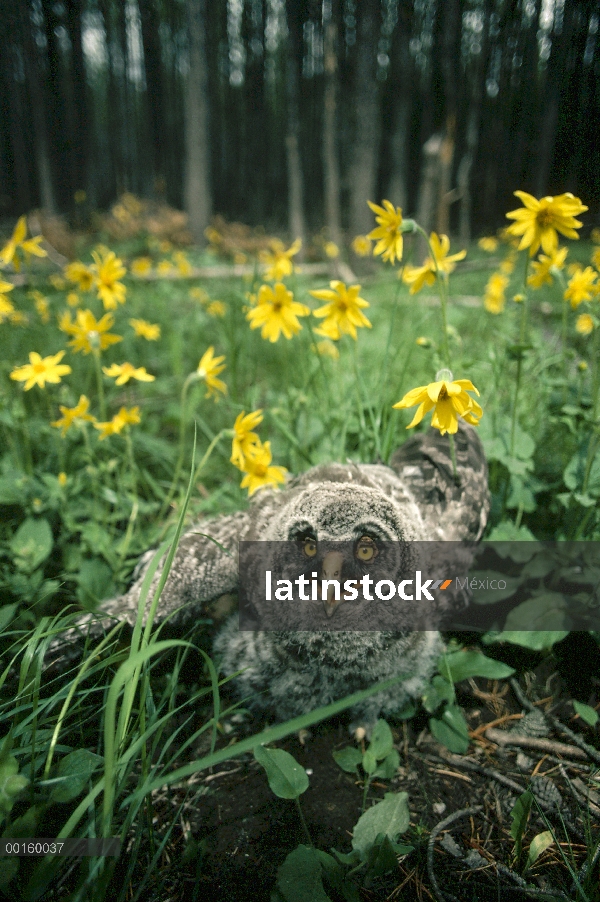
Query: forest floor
column 234, row 833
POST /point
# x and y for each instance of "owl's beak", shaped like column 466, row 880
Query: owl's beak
column 331, row 568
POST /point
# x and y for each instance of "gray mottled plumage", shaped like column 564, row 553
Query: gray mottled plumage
column 289, row 672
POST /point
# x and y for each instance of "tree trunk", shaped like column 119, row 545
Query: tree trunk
column 154, row 150
column 363, row 172
column 79, row 97
column 38, row 112
column 331, row 169
column 295, row 180
column 197, row 181
column 429, row 191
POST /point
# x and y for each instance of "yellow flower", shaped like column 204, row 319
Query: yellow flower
column 9, row 253
column 489, row 245
column 276, row 312
column 149, row 331
column 120, row 420
column 595, row 235
column 72, row 299
column 107, row 270
column 450, row 400
column 6, row 306
column 543, row 266
column 141, row 266
column 508, row 264
column 278, row 261
column 326, row 348
column 343, row 311
column 216, row 308
column 165, row 268
column 419, row 276
column 80, row 274
column 88, row 333
column 423, row 342
column 582, row 286
column 388, row 233
column 123, row 372
column 57, row 281
column 5, row 287
column 585, row 324
column 71, row 414
column 493, row 298
column 596, row 258
column 361, row 246
column 239, row 259
column 42, row 307
column 208, row 370
column 331, row 250
column 62, row 479
column 258, row 470
column 18, row 318
column 244, row 440
column 41, row 370
column 582, row 366
column 199, row 294
column 518, row 298
column 182, row 263
column 538, row 221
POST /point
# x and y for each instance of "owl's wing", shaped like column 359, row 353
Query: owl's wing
column 451, row 510
column 204, row 569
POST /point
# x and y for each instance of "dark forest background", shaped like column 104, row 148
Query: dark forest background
column 291, row 114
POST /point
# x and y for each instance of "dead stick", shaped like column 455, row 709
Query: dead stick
column 503, row 737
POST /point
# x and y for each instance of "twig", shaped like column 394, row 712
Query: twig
column 590, row 751
column 503, row 737
column 464, row 812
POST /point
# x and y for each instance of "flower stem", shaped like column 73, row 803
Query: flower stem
column 522, row 334
column 99, row 384
column 443, row 293
column 303, row 822
column 182, row 424
column 361, row 395
column 210, row 450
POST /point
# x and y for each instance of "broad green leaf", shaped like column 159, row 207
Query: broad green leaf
column 12, row 783
column 299, row 879
column 438, row 691
column 382, row 741
column 287, row 779
column 369, row 761
column 575, row 473
column 538, row 845
column 520, row 495
column 12, row 489
column 74, row 772
column 491, row 596
column 7, row 612
column 519, row 818
column 389, row 766
column 348, row 759
column 381, row 858
column 95, row 582
column 589, row 715
column 32, row 543
column 390, row 816
column 539, row 566
column 535, row 640
column 548, row 611
column 470, row 663
column 451, row 730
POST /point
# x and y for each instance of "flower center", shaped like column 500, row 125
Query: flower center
column 39, row 368
column 545, row 219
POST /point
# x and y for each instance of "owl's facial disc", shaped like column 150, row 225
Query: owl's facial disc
column 331, row 568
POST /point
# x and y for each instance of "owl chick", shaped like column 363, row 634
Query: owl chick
column 303, row 665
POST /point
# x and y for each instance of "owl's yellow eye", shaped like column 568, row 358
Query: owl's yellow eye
column 366, row 549
column 309, row 547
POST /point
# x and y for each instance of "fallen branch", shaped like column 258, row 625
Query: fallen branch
column 503, row 737
column 464, row 812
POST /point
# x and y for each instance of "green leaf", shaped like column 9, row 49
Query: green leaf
column 389, row 766
column 32, row 543
column 539, row 566
column 520, row 816
column 575, row 473
column 7, row 612
column 390, row 816
column 438, row 691
column 11, row 489
column 520, row 495
column 548, row 611
column 382, row 741
column 589, row 715
column 471, row 663
column 11, row 783
column 538, row 845
column 510, row 541
column 369, row 761
column 381, row 858
column 287, row 779
column 451, row 730
column 491, row 596
column 299, row 878
column 348, row 759
column 535, row 640
column 74, row 772
column 95, row 582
